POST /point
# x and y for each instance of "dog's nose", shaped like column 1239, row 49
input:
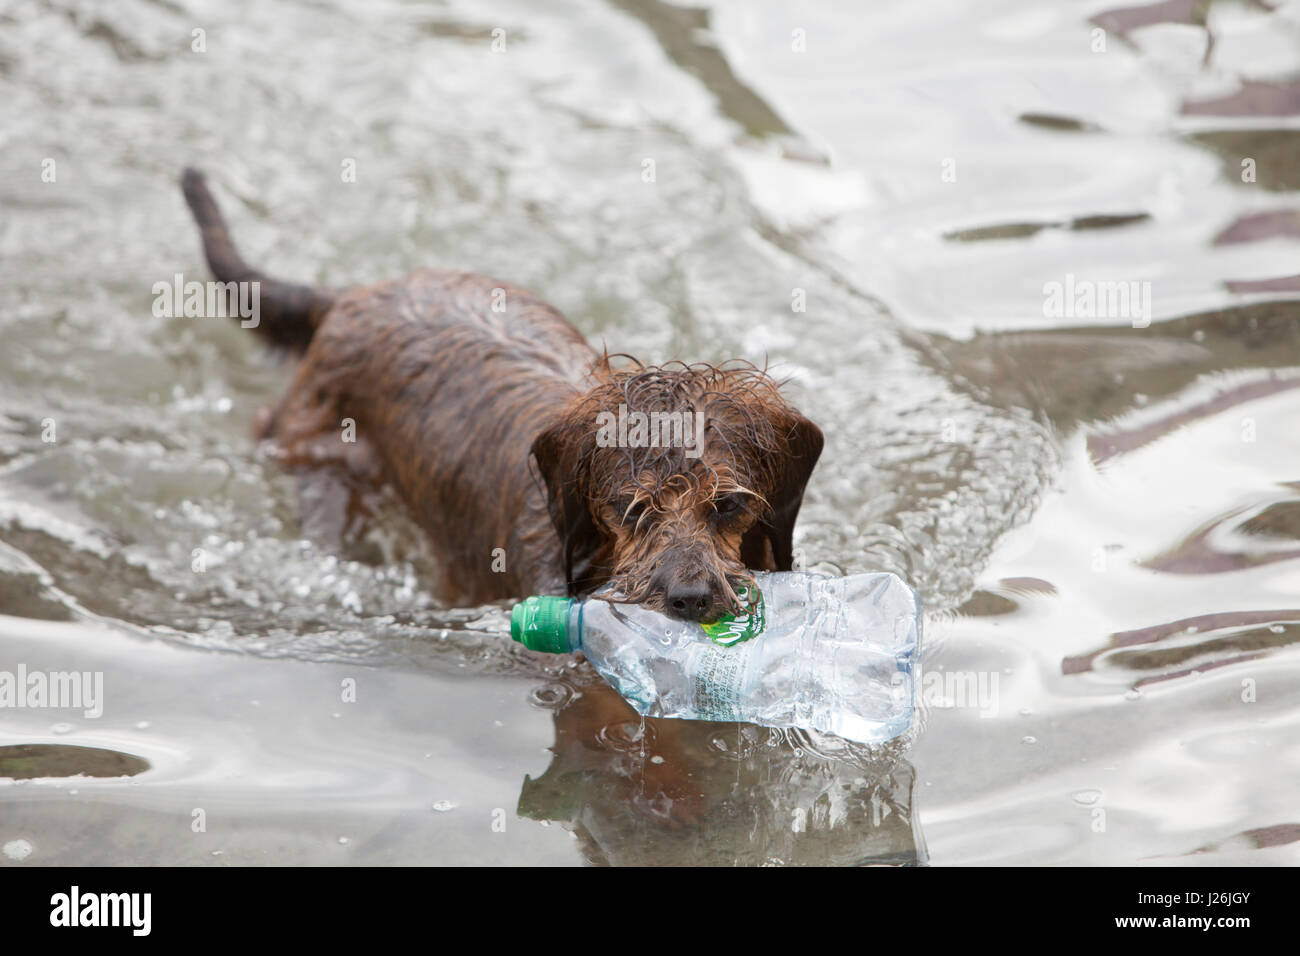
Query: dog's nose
column 689, row 600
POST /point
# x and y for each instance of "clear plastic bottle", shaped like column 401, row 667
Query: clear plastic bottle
column 830, row 654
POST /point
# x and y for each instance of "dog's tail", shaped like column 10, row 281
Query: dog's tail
column 289, row 313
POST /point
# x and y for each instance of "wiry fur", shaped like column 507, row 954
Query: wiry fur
column 646, row 516
column 485, row 419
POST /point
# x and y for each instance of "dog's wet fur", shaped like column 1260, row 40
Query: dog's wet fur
column 487, row 423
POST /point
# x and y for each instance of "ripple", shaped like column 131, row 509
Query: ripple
column 550, row 696
column 632, row 736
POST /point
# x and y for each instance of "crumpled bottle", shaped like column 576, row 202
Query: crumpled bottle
column 823, row 653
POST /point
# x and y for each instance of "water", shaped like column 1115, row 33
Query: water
column 1101, row 514
column 817, row 652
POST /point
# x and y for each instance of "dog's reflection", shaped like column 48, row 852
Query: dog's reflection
column 675, row 792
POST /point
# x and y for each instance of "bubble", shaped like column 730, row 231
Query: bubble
column 1028, row 739
column 442, row 806
column 17, row 849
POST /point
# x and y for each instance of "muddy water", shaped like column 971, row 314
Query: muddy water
column 1100, row 505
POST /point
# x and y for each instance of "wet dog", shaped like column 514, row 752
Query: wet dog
column 533, row 463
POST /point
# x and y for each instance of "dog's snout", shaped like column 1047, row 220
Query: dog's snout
column 694, row 599
column 689, row 600
column 689, row 587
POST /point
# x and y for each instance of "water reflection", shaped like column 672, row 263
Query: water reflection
column 30, row 761
column 658, row 792
column 1055, row 372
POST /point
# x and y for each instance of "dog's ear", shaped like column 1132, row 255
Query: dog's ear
column 769, row 544
column 559, row 464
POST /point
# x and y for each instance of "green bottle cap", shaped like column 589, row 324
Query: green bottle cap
column 541, row 623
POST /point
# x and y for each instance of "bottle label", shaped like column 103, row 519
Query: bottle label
column 736, row 628
column 719, row 675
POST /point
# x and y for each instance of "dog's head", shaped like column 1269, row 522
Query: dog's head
column 674, row 481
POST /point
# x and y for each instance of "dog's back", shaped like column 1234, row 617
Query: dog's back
column 437, row 382
column 451, row 392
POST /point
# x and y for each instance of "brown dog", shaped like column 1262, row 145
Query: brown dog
column 670, row 481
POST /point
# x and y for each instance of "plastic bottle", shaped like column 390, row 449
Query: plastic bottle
column 830, row 654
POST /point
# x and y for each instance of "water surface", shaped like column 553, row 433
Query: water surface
column 1101, row 512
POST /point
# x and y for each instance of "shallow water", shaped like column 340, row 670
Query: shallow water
column 1102, row 514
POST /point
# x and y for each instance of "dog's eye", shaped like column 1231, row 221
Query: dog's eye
column 728, row 505
column 630, row 512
